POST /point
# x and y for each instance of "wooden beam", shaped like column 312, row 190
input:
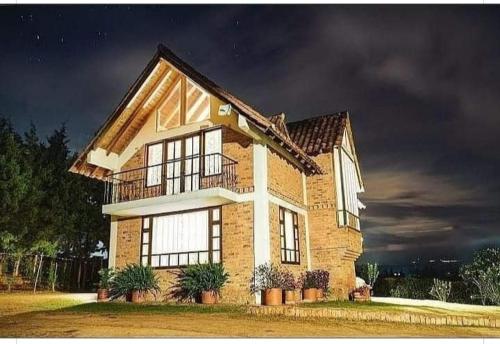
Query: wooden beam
column 129, row 120
column 183, row 100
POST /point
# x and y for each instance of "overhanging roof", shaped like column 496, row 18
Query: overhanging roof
column 260, row 121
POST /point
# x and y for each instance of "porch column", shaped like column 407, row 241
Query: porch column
column 262, row 242
column 113, row 235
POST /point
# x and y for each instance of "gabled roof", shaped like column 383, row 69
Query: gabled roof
column 261, row 122
column 319, row 134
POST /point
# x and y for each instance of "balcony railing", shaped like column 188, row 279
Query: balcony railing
column 172, row 177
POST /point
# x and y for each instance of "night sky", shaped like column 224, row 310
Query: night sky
column 422, row 84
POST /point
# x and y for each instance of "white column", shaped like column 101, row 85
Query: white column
column 306, row 222
column 113, row 236
column 262, row 242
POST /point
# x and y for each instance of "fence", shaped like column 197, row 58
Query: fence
column 39, row 272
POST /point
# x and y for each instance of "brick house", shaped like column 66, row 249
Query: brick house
column 193, row 174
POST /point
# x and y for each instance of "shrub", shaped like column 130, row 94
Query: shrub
column 440, row 290
column 321, row 279
column 307, row 280
column 266, row 276
column 134, row 277
column 411, row 288
column 194, row 280
column 105, row 277
column 289, row 282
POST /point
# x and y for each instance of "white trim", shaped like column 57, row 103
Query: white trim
column 113, row 237
column 170, row 203
column 306, row 223
column 261, row 239
column 102, row 158
column 285, row 204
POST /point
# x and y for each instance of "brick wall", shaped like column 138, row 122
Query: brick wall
column 284, row 179
column 240, row 148
column 274, row 227
column 332, row 248
column 128, row 241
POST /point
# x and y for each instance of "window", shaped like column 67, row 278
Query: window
column 213, row 152
column 347, row 185
column 155, row 160
column 169, row 112
column 289, row 234
column 182, row 239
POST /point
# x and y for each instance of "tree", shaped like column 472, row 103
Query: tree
column 440, row 290
column 370, row 272
column 483, row 274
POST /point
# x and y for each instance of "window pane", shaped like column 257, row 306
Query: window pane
column 203, row 257
column 144, row 260
column 289, row 232
column 216, row 256
column 145, row 238
column 155, row 158
column 213, row 149
column 145, row 248
column 215, row 244
column 197, row 103
column 146, row 222
column 155, row 261
column 216, row 230
column 169, row 111
column 164, row 261
column 216, row 214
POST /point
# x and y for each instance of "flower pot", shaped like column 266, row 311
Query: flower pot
column 310, row 294
column 102, row 294
column 298, row 295
column 289, row 297
column 273, row 296
column 208, row 297
column 320, row 294
column 137, row 296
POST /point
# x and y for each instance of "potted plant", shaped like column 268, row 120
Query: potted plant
column 289, row 287
column 268, row 278
column 309, row 286
column 202, row 282
column 321, row 280
column 105, row 277
column 134, row 281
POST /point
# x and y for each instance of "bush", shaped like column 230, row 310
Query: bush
column 106, row 275
column 321, row 279
column 194, row 280
column 289, row 282
column 440, row 290
column 411, row 288
column 134, row 277
column 266, row 276
column 307, row 280
column 483, row 275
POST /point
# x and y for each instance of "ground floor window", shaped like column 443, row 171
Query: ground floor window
column 289, row 232
column 181, row 239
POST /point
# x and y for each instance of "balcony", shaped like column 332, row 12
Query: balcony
column 177, row 184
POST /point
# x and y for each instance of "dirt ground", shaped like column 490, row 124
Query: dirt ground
column 56, row 316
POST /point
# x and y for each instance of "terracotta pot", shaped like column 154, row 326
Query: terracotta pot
column 310, row 294
column 137, row 296
column 102, row 294
column 289, row 297
column 298, row 295
column 273, row 297
column 208, row 297
column 320, row 294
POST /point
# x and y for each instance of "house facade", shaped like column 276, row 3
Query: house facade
column 193, row 174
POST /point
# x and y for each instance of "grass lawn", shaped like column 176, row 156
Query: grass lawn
column 56, row 315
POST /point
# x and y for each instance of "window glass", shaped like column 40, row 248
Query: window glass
column 213, row 150
column 289, row 233
column 155, row 159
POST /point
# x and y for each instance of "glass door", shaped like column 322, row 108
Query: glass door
column 182, row 169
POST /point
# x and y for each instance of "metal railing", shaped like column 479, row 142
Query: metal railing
column 172, row 177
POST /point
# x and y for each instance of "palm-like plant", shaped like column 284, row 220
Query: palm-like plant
column 194, row 280
column 105, row 277
column 132, row 278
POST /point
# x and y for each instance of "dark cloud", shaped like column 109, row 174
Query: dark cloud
column 421, row 83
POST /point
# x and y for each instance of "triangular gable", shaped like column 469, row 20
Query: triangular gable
column 144, row 95
column 347, row 143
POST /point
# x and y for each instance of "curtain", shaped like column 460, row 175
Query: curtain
column 155, row 158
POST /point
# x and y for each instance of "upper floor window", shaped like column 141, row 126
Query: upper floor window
column 185, row 103
column 347, row 185
column 289, row 233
